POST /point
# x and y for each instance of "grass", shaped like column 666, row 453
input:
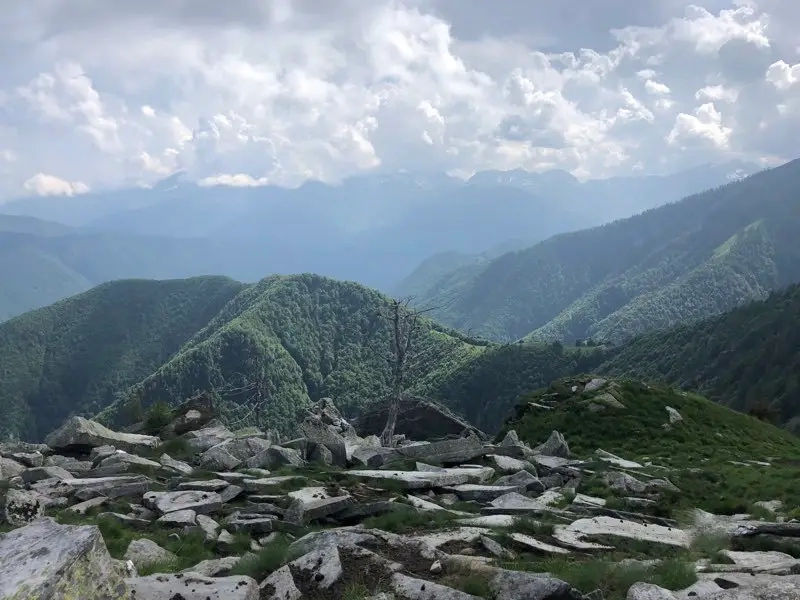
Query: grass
column 699, row 450
column 406, row 520
column 270, row 558
column 356, row 591
column 759, row 513
column 710, row 546
column 463, row 578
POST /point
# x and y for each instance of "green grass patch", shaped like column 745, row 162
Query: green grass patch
column 270, row 558
column 406, row 520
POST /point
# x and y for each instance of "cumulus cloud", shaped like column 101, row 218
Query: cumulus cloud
column 42, row 184
column 246, row 92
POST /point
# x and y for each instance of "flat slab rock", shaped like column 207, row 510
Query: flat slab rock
column 167, row 502
column 531, row 543
column 82, row 434
column 192, row 586
column 481, row 493
column 574, row 533
column 48, row 560
column 416, row 480
column 420, row 589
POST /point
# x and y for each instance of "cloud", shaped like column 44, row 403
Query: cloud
column 238, row 180
column 42, row 184
column 114, row 93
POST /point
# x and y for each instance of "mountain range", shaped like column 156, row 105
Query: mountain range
column 677, row 263
column 371, row 229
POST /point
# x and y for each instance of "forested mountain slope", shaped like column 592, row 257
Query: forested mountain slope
column 747, row 359
column 677, row 263
column 277, row 344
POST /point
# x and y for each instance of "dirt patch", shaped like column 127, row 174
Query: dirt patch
column 408, row 555
column 462, row 547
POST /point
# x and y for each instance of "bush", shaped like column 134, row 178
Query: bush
column 158, row 416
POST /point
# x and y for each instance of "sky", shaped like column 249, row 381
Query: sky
column 97, row 94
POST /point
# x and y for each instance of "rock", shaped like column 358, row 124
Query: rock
column 490, row 521
column 48, row 560
column 602, row 401
column 595, row 384
column 225, row 540
column 250, row 523
column 674, row 415
column 111, row 487
column 511, row 440
column 145, row 553
column 83, row 507
column 268, row 484
column 555, row 445
column 280, row 586
column 167, row 502
column 507, row 464
column 416, row 480
column 588, row 501
column 436, row 567
column 496, row 549
column 521, row 585
column 417, row 419
column 276, row 457
column 513, row 503
column 420, row 589
column 192, row 415
column 215, row 567
column 218, row 458
column 209, row 526
column 320, row 568
column 648, row 591
column 316, row 503
column 81, row 435
column 779, row 563
column 21, row 507
column 39, row 473
column 28, row 459
column 229, row 493
column 99, row 453
column 616, row 460
column 531, row 544
column 9, row 469
column 314, row 430
column 120, row 456
column 320, row 455
column 177, row 467
column 69, row 463
column 205, row 439
column 193, row 586
column 481, row 493
column 773, row 506
column 457, row 451
column 523, row 479
column 126, row 520
column 608, row 526
column 622, row 482
column 373, row 457
column 179, row 518
column 205, row 485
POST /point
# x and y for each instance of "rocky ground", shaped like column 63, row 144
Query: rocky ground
column 203, row 512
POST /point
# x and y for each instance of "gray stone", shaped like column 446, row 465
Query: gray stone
column 373, row 457
column 314, row 430
column 481, row 493
column 111, row 487
column 209, row 526
column 167, row 502
column 193, row 586
column 322, row 566
column 145, row 553
column 9, row 469
column 416, row 480
column 225, row 540
column 218, row 458
column 59, row 562
column 674, row 415
column 460, row 450
column 555, row 445
column 622, row 482
column 126, row 520
column 21, row 507
column 274, row 458
column 28, row 459
column 205, row 439
column 81, row 435
column 250, row 523
column 616, row 460
column 420, row 589
column 205, row 485
column 179, row 518
column 508, row 464
column 320, row 455
column 280, row 586
column 511, row 440
column 230, row 492
column 120, row 456
column 83, row 507
column 191, row 415
column 513, row 503
column 173, row 466
column 99, row 453
column 315, row 503
column 69, row 463
column 268, row 484
column 531, row 544
column 38, row 473
column 496, row 549
column 595, row 384
column 523, row 479
column 520, row 585
column 215, row 567
column 608, row 526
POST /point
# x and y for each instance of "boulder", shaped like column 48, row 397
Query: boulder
column 320, row 455
column 48, row 560
column 9, row 469
column 167, row 502
column 421, row 589
column 315, row 503
column 21, row 507
column 39, row 473
column 373, row 457
column 192, row 586
column 122, row 457
column 321, row 567
column 555, row 445
column 81, row 435
column 145, row 553
column 455, row 451
column 176, row 467
column 523, row 479
column 418, row 419
column 511, row 440
column 622, row 482
column 314, row 430
column 192, row 415
column 69, row 463
column 215, row 567
column 205, row 439
column 218, row 458
column 111, row 487
column 507, row 464
column 521, row 585
column 29, row 459
column 275, row 457
column 280, row 586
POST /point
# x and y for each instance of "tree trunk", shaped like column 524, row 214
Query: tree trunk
column 387, row 437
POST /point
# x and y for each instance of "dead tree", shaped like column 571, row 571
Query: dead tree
column 405, row 324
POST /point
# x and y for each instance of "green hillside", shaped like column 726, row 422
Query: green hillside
column 712, row 454
column 77, row 354
column 266, row 350
column 674, row 264
column 748, row 359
